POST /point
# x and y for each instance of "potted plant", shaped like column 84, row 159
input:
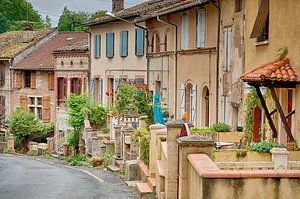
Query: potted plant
column 97, row 116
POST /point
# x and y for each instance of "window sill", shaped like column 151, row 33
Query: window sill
column 261, row 43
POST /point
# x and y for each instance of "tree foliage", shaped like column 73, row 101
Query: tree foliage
column 14, row 12
column 73, row 21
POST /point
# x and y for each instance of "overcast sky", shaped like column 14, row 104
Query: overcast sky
column 54, row 8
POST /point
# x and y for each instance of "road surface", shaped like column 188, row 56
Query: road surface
column 26, row 178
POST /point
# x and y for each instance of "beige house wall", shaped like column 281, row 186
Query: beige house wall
column 284, row 31
column 131, row 66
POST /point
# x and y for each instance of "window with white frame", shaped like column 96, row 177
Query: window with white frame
column 184, row 32
column 35, row 106
column 200, row 28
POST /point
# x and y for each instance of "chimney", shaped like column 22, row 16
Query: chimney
column 27, row 32
column 117, row 5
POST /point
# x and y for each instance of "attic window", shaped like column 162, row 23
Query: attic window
column 62, row 63
column 71, row 63
column 261, row 26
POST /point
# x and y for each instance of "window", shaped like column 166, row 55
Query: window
column 61, row 89
column 27, row 79
column 35, row 106
column 81, row 63
column 200, row 28
column 157, row 43
column 184, row 32
column 62, row 63
column 123, row 43
column 139, row 81
column 260, row 29
column 76, row 86
column 97, row 46
column 71, row 63
column 2, row 76
column 139, row 42
column 109, row 45
column 227, row 48
column 239, row 5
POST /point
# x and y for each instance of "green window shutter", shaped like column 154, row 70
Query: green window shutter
column 110, row 45
column 123, row 43
column 139, row 42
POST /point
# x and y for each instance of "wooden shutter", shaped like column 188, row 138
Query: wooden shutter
column 101, row 91
column 201, row 27
column 51, row 81
column 123, row 43
column 182, row 99
column 24, row 102
column 261, row 19
column 18, row 79
column 139, row 42
column 97, row 45
column 84, row 85
column 79, row 86
column 110, row 45
column 46, row 109
column 65, row 93
column 227, row 47
column 96, row 90
column 33, row 80
column 184, row 30
column 194, row 105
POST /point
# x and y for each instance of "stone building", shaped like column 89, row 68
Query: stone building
column 34, row 77
column 14, row 46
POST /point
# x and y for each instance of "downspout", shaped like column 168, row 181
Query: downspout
column 175, row 61
column 218, row 57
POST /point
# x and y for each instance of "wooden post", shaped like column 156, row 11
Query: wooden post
column 263, row 104
column 282, row 116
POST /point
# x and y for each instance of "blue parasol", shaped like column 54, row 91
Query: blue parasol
column 158, row 116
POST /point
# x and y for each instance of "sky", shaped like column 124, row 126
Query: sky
column 54, row 8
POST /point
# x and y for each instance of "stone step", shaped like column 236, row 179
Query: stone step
column 119, row 163
column 152, row 183
column 144, row 171
column 113, row 168
column 143, row 188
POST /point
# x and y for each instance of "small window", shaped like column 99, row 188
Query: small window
column 27, row 79
column 62, row 63
column 71, row 63
column 31, row 100
column 239, row 5
column 81, row 63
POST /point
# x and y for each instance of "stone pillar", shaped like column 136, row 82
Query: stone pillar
column 81, row 146
column 118, row 140
column 280, row 158
column 193, row 144
column 126, row 133
column 174, row 128
column 153, row 147
column 50, row 143
column 142, row 122
column 66, row 150
column 10, row 143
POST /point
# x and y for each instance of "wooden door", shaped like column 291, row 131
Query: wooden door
column 256, row 122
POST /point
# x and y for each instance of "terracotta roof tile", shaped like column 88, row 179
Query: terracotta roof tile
column 43, row 57
column 275, row 71
column 79, row 46
column 14, row 42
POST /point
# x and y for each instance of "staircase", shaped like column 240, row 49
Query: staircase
column 116, row 166
column 148, row 184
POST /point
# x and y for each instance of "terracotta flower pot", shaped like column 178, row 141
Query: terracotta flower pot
column 290, row 146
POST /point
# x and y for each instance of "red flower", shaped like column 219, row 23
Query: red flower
column 133, row 101
column 106, row 93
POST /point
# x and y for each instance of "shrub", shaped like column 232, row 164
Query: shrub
column 264, row 147
column 143, row 142
column 196, row 130
column 96, row 161
column 221, row 127
column 77, row 160
column 73, row 139
column 97, row 115
column 32, row 153
column 105, row 130
column 107, row 157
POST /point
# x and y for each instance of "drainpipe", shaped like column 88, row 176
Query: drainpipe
column 175, row 61
column 218, row 58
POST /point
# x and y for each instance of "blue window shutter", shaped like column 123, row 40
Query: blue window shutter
column 110, row 45
column 97, row 43
column 117, row 81
column 123, row 43
column 139, row 42
column 101, row 91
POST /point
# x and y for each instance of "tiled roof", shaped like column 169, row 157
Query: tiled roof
column 275, row 71
column 138, row 10
column 79, row 46
column 13, row 43
column 43, row 57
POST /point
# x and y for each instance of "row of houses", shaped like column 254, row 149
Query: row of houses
column 191, row 52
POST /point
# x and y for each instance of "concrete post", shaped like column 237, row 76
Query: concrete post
column 280, row 158
column 10, row 143
column 193, row 144
column 50, row 143
column 153, row 147
column 118, row 141
column 142, row 122
column 174, row 128
column 126, row 133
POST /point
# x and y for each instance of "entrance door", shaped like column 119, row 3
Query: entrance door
column 256, row 124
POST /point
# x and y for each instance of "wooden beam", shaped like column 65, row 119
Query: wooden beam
column 290, row 114
column 274, row 111
column 282, row 116
column 269, row 118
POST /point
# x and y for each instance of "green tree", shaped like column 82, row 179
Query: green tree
column 3, row 24
column 72, row 21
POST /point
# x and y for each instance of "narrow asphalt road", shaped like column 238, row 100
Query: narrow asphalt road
column 26, row 178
